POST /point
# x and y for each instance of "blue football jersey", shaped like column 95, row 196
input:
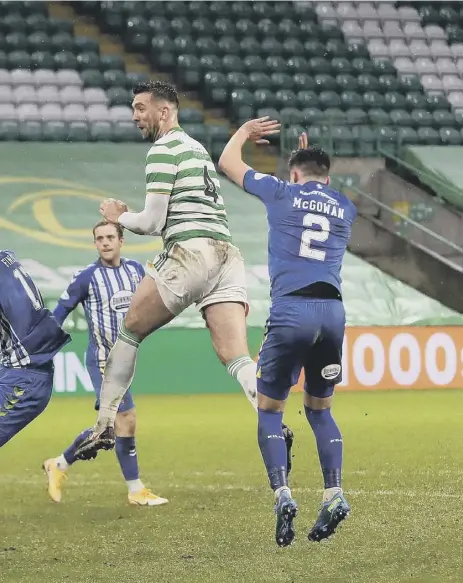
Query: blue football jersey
column 309, row 229
column 105, row 293
column 29, row 334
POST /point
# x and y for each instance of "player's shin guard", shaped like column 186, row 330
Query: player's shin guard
column 244, row 369
column 118, row 374
column 329, row 444
column 127, row 456
column 272, row 446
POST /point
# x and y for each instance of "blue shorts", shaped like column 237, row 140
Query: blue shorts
column 96, row 376
column 24, row 394
column 301, row 333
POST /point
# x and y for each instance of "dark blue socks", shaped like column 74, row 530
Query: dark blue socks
column 329, row 444
column 273, row 447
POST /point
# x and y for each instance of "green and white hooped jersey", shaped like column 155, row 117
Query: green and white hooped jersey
column 179, row 166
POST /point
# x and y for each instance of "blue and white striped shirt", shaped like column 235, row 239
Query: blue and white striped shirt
column 29, row 335
column 105, row 293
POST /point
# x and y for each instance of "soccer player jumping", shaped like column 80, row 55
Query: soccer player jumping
column 309, row 229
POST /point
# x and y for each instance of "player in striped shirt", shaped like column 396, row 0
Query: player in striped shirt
column 104, row 288
column 199, row 263
column 29, row 339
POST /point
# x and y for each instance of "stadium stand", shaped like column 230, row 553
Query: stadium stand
column 361, row 76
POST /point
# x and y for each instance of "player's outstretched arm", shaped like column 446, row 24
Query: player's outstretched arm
column 73, row 295
column 255, row 130
column 150, row 221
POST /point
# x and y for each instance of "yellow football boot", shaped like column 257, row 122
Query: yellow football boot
column 145, row 497
column 56, row 479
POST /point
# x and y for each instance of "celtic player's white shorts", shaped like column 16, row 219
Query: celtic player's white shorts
column 202, row 271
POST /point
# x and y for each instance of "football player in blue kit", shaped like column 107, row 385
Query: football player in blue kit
column 309, row 229
column 29, row 339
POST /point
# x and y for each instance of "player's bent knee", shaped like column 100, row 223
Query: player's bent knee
column 268, row 404
column 126, row 422
column 317, row 403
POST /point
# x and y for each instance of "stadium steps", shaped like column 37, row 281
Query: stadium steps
column 264, row 160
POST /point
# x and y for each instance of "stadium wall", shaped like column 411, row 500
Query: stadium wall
column 182, row 361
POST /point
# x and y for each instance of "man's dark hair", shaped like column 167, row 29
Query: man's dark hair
column 158, row 89
column 312, row 161
column 119, row 228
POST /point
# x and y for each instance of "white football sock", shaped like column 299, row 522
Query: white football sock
column 244, row 370
column 61, row 463
column 328, row 493
column 135, row 485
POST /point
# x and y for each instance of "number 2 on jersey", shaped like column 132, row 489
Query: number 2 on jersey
column 309, row 235
column 32, row 293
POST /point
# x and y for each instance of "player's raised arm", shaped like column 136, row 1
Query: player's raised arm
column 231, row 161
column 74, row 294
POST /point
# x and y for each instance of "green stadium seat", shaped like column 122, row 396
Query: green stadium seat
column 325, row 82
column 312, row 115
column 259, row 80
column 218, row 97
column 450, row 136
column 42, row 60
column 447, row 15
column 329, row 31
column 356, row 116
column 241, row 97
column 357, row 49
column 18, row 60
column 54, row 131
column 30, row 131
column 241, row 10
column 288, row 29
column 384, row 67
column 78, row 131
column 108, row 79
column 336, row 48
column 184, row 44
column 180, row 26
column 351, row 99
column 159, row 27
column 275, row 64
column 293, row 47
column 112, row 62
column 340, row 65
column 65, row 60
column 119, row 96
column 333, row 115
column 394, row 100
column 222, row 27
column 329, row 99
column 388, row 83
column 367, row 82
column 131, row 79
column 237, row 79
column 319, row 65
column 346, row 82
column 55, row 25
column 286, row 98
column 114, row 23
column 88, row 61
column 206, row 45
column 266, row 98
column 189, row 115
column 280, row 81
column 428, row 137
column 307, row 98
column 410, row 83
column 421, row 118
column 387, row 139
column 232, row 63
column 189, row 71
column 203, row 27
column 219, row 133
column 38, row 41
column 373, row 99
column 365, row 141
column 291, row 136
column 135, row 25
column 443, row 118
column 428, row 15
column 246, row 27
column 228, row 45
column 415, row 100
column 296, row 65
column 314, row 48
column 9, row 130
column 271, row 46
column 400, row 117
column 454, row 34
column 362, row 65
column 210, row 63
column 436, row 102
column 37, row 22
column 270, row 112
column 173, row 9
column 219, row 9
column 291, row 115
column 303, row 81
column 378, row 116
column 138, row 42
column 84, row 44
column 406, row 136
column 14, row 23
column 316, row 135
column 343, row 141
column 267, row 28
column 125, row 131
column 101, row 131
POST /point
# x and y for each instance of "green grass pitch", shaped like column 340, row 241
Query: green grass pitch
column 403, row 477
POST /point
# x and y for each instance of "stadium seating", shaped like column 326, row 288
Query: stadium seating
column 361, row 75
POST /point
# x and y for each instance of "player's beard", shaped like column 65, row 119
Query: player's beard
column 154, row 134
